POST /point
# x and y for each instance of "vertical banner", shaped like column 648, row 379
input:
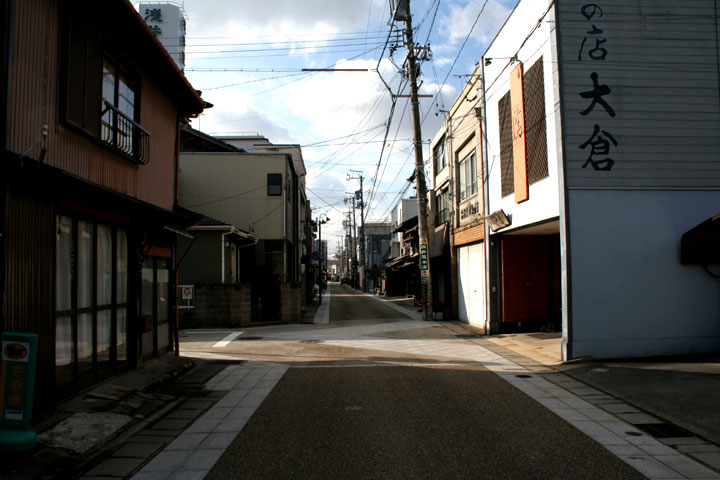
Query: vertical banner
column 423, row 256
column 18, row 352
column 517, row 107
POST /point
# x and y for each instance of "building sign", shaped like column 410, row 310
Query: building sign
column 635, row 116
column 17, row 386
column 517, row 108
column 469, row 212
column 153, row 17
column 167, row 23
column 423, row 256
column 186, row 296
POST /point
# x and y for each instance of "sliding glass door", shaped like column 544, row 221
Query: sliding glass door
column 91, row 289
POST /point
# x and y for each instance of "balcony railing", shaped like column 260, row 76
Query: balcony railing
column 124, row 135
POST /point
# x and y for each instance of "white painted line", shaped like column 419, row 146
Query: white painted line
column 193, row 332
column 322, row 314
column 229, row 338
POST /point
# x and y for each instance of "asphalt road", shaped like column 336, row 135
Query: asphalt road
column 409, row 422
column 335, row 421
column 348, row 305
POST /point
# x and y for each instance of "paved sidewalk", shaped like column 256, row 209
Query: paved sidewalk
column 194, row 452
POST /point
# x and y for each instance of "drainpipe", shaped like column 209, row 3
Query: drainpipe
column 222, row 254
column 491, row 281
column 284, row 209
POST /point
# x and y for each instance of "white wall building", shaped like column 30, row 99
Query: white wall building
column 601, row 159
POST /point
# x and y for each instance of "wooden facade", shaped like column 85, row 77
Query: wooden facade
column 87, row 202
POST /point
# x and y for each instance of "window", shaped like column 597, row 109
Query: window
column 439, row 160
column 91, row 299
column 274, row 184
column 98, row 96
column 117, row 109
column 442, row 205
column 467, row 175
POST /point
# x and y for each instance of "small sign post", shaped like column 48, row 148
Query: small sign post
column 18, row 352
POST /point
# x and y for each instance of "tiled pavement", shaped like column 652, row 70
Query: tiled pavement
column 201, row 438
column 187, row 441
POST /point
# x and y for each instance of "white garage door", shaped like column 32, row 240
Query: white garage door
column 471, row 284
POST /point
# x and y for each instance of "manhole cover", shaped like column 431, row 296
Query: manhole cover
column 469, row 335
column 249, row 338
column 311, row 341
column 353, row 408
column 633, row 434
column 599, row 370
column 664, row 430
column 523, row 376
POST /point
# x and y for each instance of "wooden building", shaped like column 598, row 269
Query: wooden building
column 90, row 104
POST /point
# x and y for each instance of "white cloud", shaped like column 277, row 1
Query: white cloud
column 348, row 111
column 456, row 23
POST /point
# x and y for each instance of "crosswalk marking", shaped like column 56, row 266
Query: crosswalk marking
column 228, row 338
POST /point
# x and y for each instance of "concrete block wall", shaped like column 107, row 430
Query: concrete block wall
column 291, row 298
column 218, row 306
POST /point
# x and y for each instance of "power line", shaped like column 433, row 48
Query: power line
column 462, row 47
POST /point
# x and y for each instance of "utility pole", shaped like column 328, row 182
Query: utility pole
column 401, row 11
column 359, row 197
column 354, row 242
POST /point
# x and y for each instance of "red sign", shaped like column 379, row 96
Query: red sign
column 517, row 101
column 15, row 351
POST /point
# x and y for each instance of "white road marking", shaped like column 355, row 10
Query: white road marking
column 229, row 338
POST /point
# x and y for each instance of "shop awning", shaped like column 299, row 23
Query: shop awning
column 701, row 244
column 439, row 241
column 180, row 233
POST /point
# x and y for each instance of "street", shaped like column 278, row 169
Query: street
column 375, row 393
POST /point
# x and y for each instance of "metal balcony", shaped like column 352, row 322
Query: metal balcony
column 124, row 135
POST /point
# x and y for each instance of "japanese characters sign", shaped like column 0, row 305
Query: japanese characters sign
column 600, row 143
column 639, row 107
column 517, row 105
column 17, row 379
column 153, row 17
column 423, row 256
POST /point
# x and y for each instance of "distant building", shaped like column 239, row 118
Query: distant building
column 377, row 243
column 260, row 192
column 404, row 210
column 168, row 22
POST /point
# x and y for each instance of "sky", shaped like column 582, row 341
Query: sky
column 248, row 57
